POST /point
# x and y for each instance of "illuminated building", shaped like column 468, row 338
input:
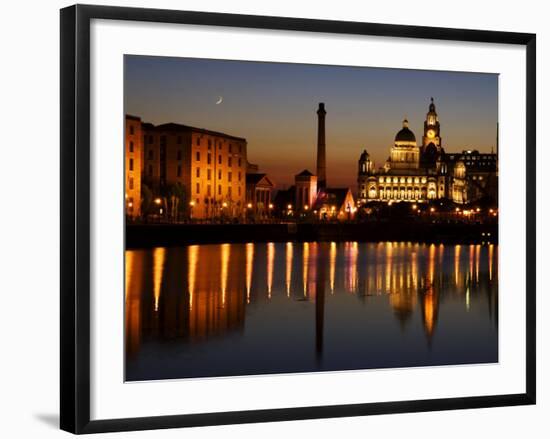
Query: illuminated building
column 209, row 167
column 133, row 154
column 474, row 177
column 258, row 194
column 306, row 189
column 422, row 173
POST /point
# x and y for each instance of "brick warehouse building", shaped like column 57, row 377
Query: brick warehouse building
column 208, row 166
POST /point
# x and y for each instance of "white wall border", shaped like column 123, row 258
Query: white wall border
column 111, row 398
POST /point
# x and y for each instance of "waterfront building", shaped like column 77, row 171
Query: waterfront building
column 133, row 152
column 335, row 203
column 420, row 173
column 207, row 167
column 306, row 190
column 259, row 189
column 475, row 176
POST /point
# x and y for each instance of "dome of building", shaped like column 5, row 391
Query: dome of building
column 405, row 134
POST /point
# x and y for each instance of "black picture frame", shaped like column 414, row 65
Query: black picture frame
column 75, row 217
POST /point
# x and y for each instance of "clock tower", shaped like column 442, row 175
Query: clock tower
column 432, row 135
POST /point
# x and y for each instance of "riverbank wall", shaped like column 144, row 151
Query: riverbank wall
column 166, row 235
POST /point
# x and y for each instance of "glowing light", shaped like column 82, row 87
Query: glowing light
column 414, row 207
column 289, row 207
column 478, row 250
column 457, row 262
column 270, row 262
column 249, row 205
column 432, row 209
column 288, row 277
column 354, row 251
column 332, row 265
column 429, row 311
column 491, row 249
column 389, row 251
column 225, row 254
column 224, row 204
column 305, row 265
column 191, row 203
column 431, row 263
column 130, row 204
column 249, row 262
column 270, row 205
column 306, row 207
column 158, row 201
column 193, row 259
column 472, row 252
column 129, row 271
column 159, row 255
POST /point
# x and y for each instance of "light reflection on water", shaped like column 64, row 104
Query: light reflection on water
column 240, row 309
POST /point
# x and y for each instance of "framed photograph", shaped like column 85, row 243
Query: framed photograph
column 267, row 219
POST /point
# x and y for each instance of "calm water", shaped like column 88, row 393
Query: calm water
column 241, row 309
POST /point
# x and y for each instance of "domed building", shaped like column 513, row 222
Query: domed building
column 405, row 154
column 419, row 173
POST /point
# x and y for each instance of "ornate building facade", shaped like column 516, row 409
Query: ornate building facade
column 420, row 173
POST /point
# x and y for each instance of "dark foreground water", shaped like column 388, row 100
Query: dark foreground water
column 242, row 309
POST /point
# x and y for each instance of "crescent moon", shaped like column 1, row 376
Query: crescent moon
column 220, row 100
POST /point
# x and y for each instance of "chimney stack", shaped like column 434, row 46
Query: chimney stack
column 321, row 155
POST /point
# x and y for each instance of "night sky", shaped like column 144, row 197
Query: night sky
column 273, row 106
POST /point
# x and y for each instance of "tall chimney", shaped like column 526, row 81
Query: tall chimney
column 321, row 155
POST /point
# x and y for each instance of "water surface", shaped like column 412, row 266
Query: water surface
column 242, row 309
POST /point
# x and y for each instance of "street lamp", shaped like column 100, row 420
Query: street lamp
column 191, row 204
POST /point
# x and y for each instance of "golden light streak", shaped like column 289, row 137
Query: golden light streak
column 472, row 255
column 352, row 273
column 193, row 259
column 431, row 263
column 312, row 270
column 332, row 266
column 305, row 265
column 478, row 250
column 491, row 249
column 289, row 256
column 225, row 255
column 429, row 308
column 270, row 261
column 159, row 256
column 129, row 271
column 388, row 266
column 249, row 265
column 457, row 263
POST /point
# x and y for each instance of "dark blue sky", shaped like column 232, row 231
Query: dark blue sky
column 273, row 106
